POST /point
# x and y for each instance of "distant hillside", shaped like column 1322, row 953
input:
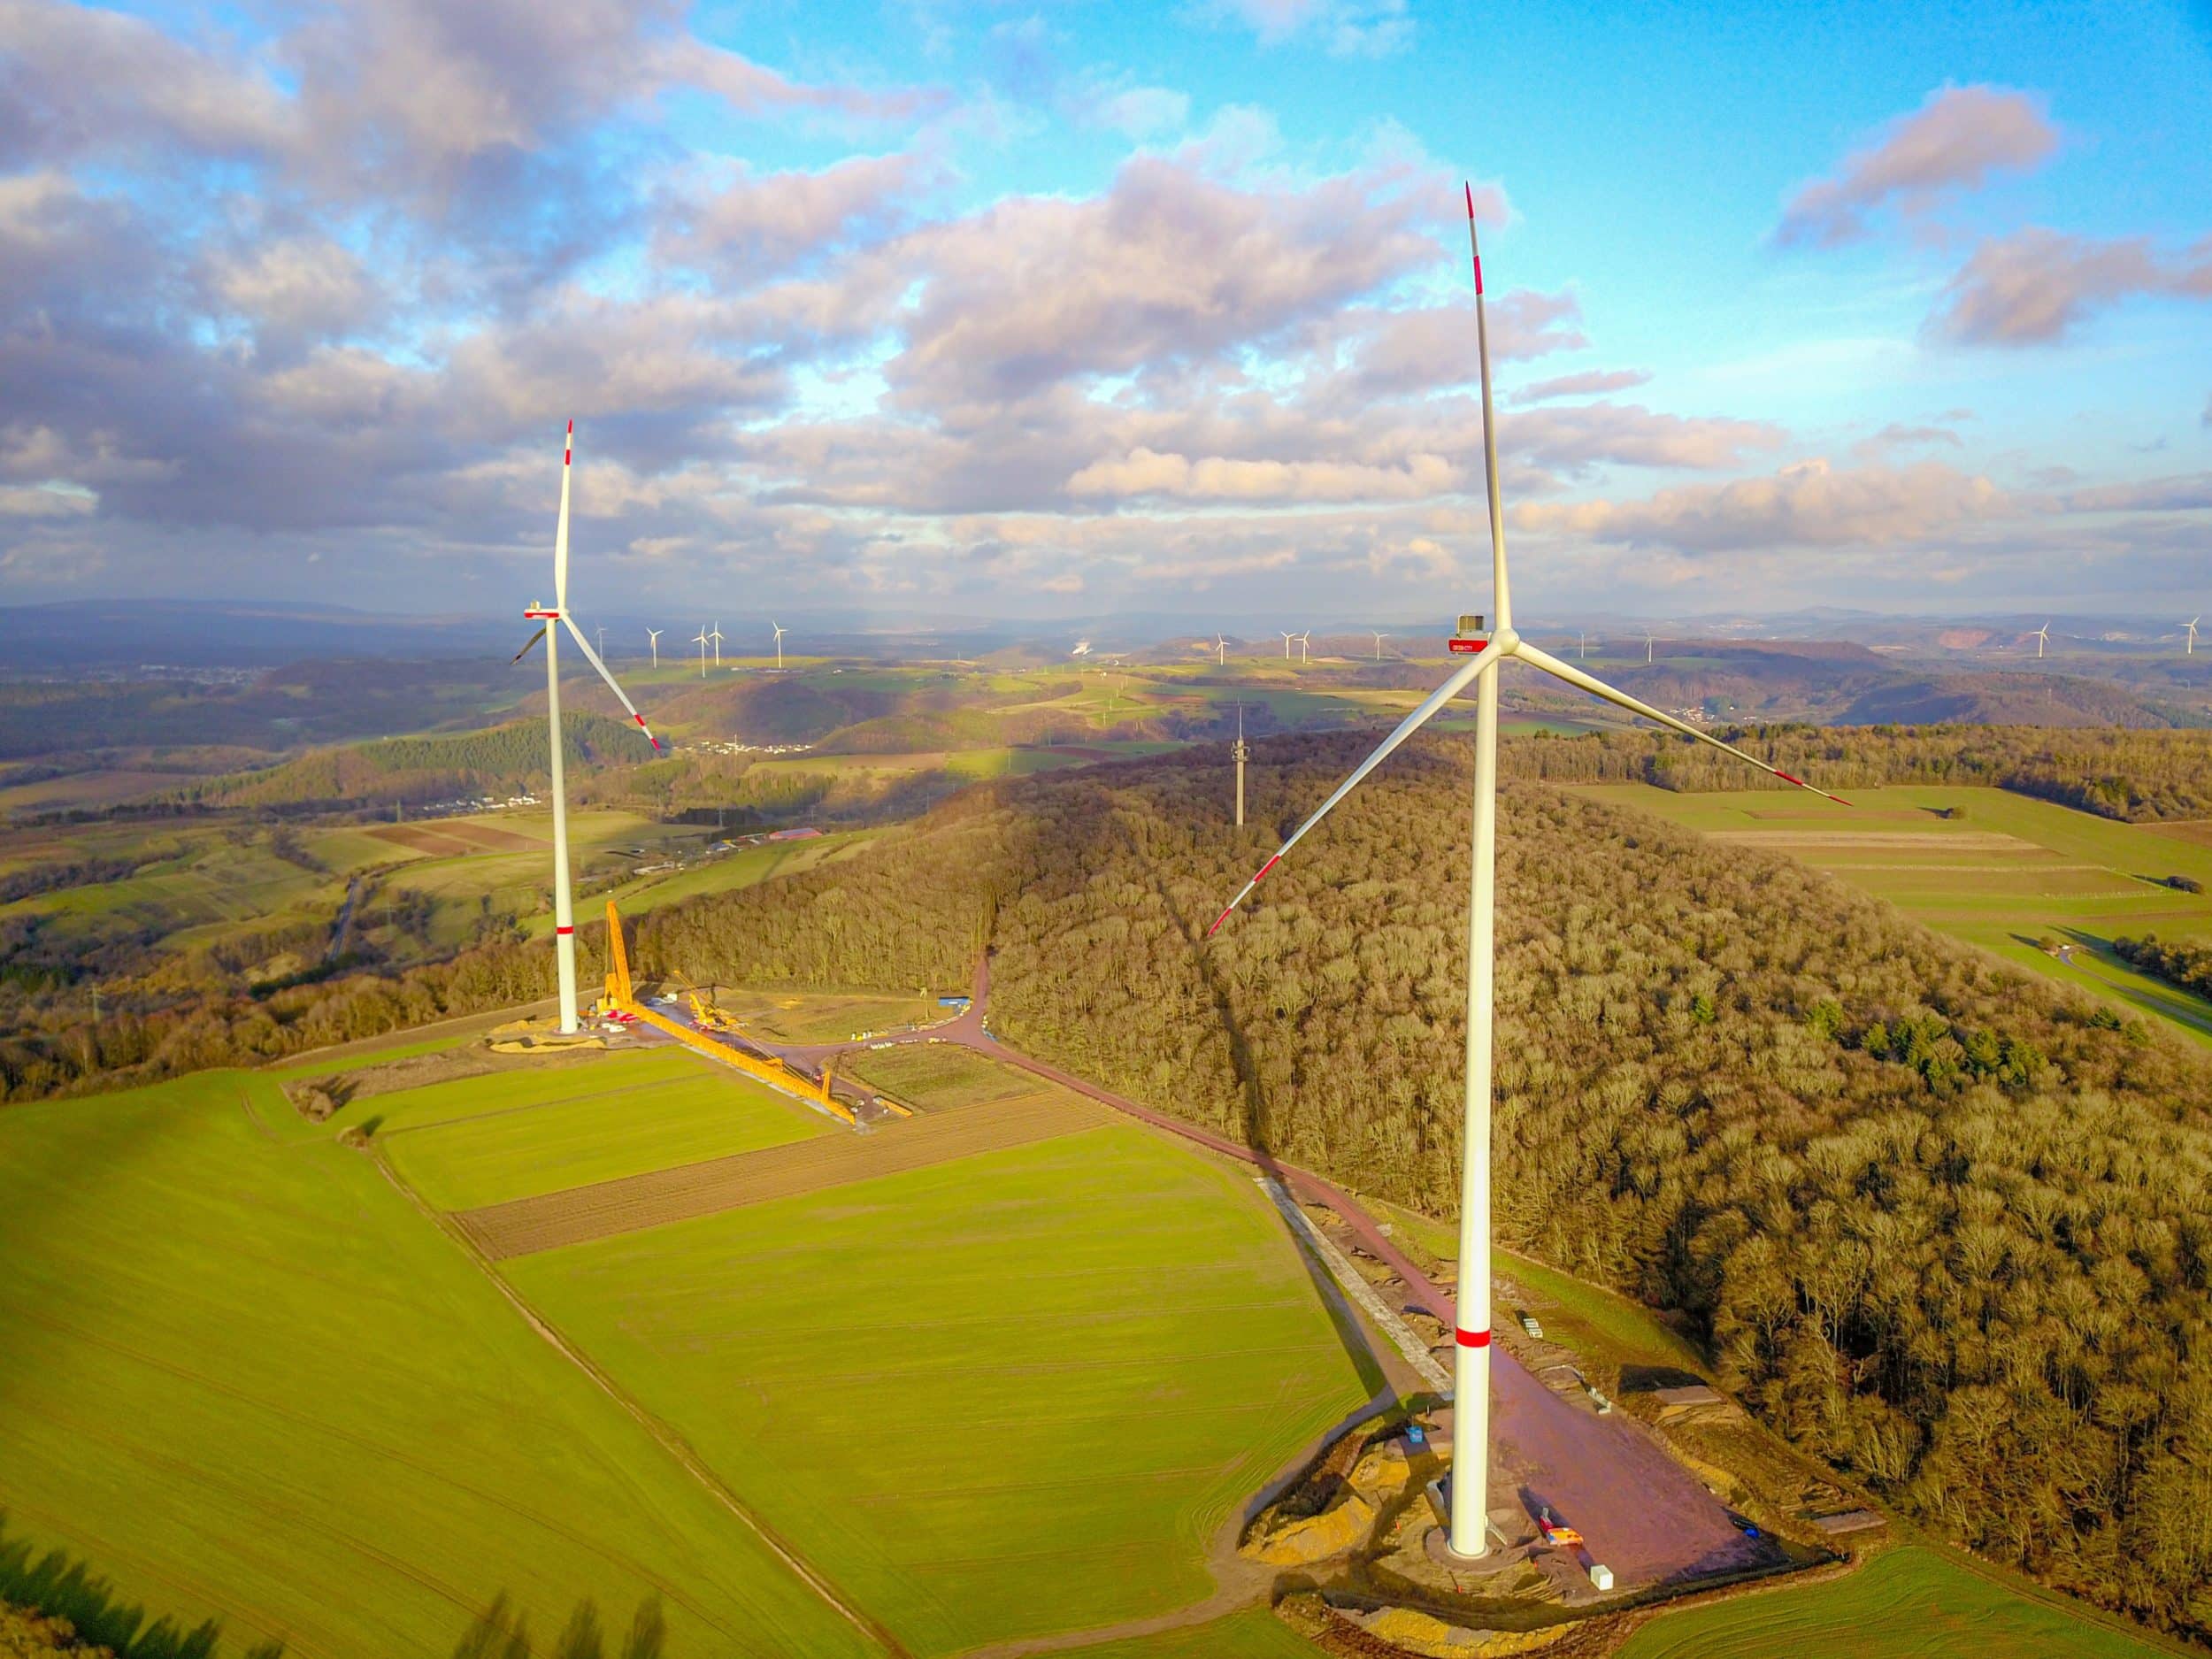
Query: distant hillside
column 770, row 709
column 2019, row 699
column 498, row 760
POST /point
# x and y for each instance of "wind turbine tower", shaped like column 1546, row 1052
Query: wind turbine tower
column 2042, row 639
column 653, row 638
column 1582, row 655
column 715, row 634
column 2190, row 650
column 1305, row 641
column 700, row 640
column 550, row 621
column 1486, row 655
column 1221, row 650
column 1239, row 751
column 780, row 632
column 1647, row 645
column 1379, row 638
column 1287, row 638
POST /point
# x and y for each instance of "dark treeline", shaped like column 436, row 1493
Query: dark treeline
column 2188, row 966
column 1941, row 1221
column 80, row 872
column 2137, row 775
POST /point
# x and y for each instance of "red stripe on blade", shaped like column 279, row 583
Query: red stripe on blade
column 1471, row 1338
column 1478, row 273
column 1785, row 778
column 1265, row 868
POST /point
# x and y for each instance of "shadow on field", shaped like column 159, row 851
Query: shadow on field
column 502, row 1631
column 1349, row 1331
column 58, row 1587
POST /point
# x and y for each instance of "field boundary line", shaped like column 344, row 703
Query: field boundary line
column 1354, row 1284
column 671, row 1441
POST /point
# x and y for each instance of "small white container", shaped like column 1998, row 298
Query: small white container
column 1601, row 1575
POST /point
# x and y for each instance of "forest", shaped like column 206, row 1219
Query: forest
column 2141, row 776
column 2188, row 966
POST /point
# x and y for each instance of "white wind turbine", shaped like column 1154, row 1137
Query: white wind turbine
column 1649, row 642
column 2042, row 637
column 653, row 637
column 1379, row 638
column 1221, row 650
column 1305, row 643
column 780, row 632
column 1287, row 638
column 1470, row 1511
column 2190, row 650
column 564, row 916
column 700, row 640
column 715, row 634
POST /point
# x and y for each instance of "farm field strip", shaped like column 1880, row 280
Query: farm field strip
column 581, row 1213
column 1912, row 1603
column 489, row 1158
column 1014, row 1393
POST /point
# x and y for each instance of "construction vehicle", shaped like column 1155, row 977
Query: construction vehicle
column 1558, row 1534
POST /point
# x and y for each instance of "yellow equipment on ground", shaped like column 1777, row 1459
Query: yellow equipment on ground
column 622, row 999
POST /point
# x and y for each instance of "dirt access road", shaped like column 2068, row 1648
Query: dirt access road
column 1645, row 1515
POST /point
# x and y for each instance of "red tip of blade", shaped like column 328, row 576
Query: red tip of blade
column 640, row 720
column 1838, row 799
column 571, row 428
column 655, row 741
column 1216, row 928
column 1471, row 201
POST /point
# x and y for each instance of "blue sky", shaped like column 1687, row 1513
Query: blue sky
column 1080, row 310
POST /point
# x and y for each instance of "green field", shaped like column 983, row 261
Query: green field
column 940, row 1076
column 486, row 1140
column 744, row 868
column 1254, row 1633
column 245, row 1379
column 1010, row 1395
column 1908, row 1604
column 2011, row 870
column 823, row 1016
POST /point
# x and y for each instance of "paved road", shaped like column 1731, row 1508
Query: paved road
column 1645, row 1515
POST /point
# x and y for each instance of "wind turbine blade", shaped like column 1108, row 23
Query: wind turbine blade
column 584, row 645
column 1406, row 727
column 527, row 644
column 560, row 534
column 1503, row 603
column 1597, row 688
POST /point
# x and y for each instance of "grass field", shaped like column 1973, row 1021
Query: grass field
column 941, row 1077
column 486, row 1140
column 247, row 1380
column 744, row 868
column 1908, row 1603
column 1013, row 1395
column 1254, row 1633
column 2012, row 869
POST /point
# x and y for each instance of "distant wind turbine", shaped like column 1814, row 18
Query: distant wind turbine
column 1470, row 1465
column 2042, row 637
column 2190, row 650
column 1379, row 638
column 1305, row 641
column 564, row 915
column 653, row 637
column 780, row 632
column 1221, row 650
column 1584, row 654
column 715, row 634
column 1647, row 645
column 1287, row 638
column 700, row 640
